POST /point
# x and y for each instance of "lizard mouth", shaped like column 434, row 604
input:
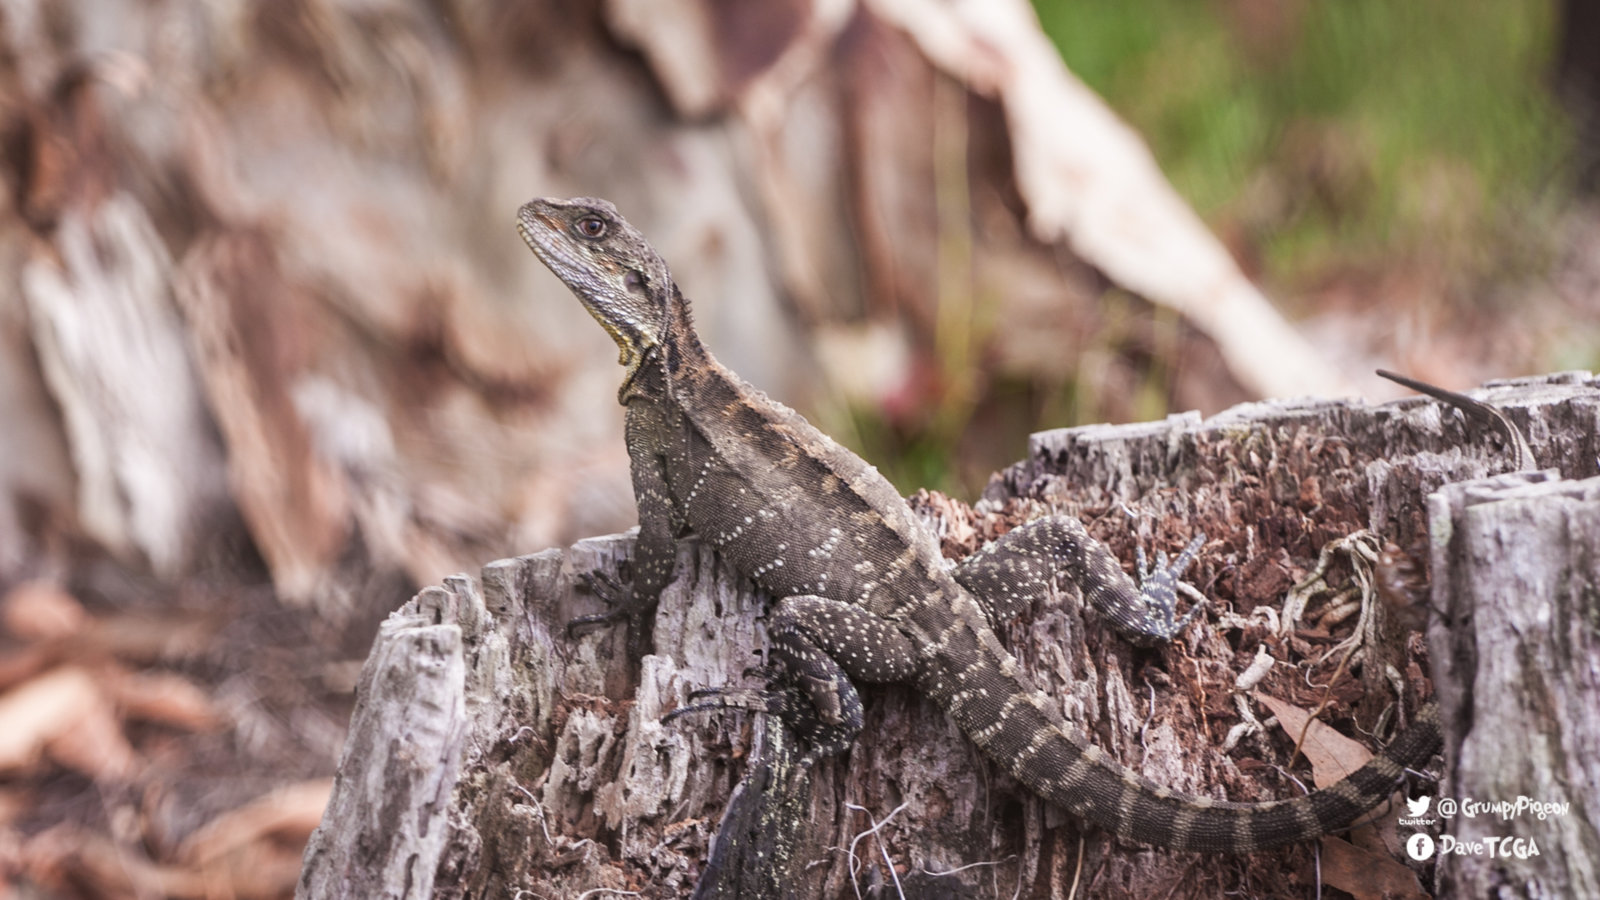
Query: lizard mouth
column 537, row 235
column 544, row 238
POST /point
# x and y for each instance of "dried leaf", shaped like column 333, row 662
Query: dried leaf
column 19, row 667
column 1332, row 755
column 152, row 638
column 1366, row 875
column 75, row 859
column 292, row 811
column 39, row 610
column 94, row 743
column 41, row 710
column 68, row 856
column 162, row 697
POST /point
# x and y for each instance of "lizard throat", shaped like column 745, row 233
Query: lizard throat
column 632, row 351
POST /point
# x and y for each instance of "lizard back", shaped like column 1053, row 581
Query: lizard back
column 789, row 507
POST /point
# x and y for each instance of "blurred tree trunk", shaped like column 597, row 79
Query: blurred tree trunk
column 492, row 755
column 261, row 271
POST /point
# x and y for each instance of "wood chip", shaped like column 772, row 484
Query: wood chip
column 39, row 610
column 292, row 812
column 63, row 710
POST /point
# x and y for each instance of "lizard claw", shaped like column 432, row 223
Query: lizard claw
column 706, row 699
column 1158, row 591
column 769, row 674
column 788, row 703
column 603, row 585
column 611, row 592
column 1178, row 567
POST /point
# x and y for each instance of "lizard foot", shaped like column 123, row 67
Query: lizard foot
column 777, row 698
column 707, row 699
column 1158, row 589
column 790, row 704
column 612, row 593
column 825, row 741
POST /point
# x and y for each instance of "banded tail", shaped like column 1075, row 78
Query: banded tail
column 1015, row 725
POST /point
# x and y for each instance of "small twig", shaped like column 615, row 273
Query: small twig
column 538, row 810
column 1327, row 695
column 1077, row 869
column 1316, row 861
column 1248, row 724
column 1148, row 718
column 1179, row 882
column 1192, row 592
column 1257, row 670
column 1290, row 775
column 1359, row 545
column 876, row 826
column 1265, row 614
column 974, row 865
column 1363, row 548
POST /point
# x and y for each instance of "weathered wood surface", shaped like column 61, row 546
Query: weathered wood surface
column 491, row 755
column 1517, row 650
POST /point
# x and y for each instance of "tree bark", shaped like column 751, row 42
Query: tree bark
column 1518, row 635
column 493, row 755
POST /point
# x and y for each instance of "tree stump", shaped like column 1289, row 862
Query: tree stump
column 492, row 755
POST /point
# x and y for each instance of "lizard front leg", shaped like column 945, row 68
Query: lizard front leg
column 655, row 553
column 1008, row 575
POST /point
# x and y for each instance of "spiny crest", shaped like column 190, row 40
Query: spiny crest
column 608, row 264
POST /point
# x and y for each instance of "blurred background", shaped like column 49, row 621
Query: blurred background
column 272, row 355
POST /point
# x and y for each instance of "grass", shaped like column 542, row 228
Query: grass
column 1335, row 133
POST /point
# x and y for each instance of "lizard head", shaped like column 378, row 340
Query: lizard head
column 618, row 277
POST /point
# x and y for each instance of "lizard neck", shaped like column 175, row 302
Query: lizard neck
column 652, row 370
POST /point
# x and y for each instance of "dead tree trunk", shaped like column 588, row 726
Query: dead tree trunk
column 492, row 755
column 1516, row 666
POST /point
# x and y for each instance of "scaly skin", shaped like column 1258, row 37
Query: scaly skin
column 861, row 590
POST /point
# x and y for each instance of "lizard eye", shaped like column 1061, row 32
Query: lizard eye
column 591, row 226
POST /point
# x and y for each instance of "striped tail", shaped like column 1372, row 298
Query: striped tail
column 1017, row 726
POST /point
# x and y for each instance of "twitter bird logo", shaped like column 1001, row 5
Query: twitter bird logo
column 1418, row 806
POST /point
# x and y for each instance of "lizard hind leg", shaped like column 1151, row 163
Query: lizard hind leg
column 1010, row 574
column 1159, row 597
column 784, row 699
column 821, row 644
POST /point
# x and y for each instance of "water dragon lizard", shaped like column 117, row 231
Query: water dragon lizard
column 860, row 590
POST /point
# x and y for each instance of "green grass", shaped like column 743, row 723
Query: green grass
column 1347, row 136
column 1354, row 132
